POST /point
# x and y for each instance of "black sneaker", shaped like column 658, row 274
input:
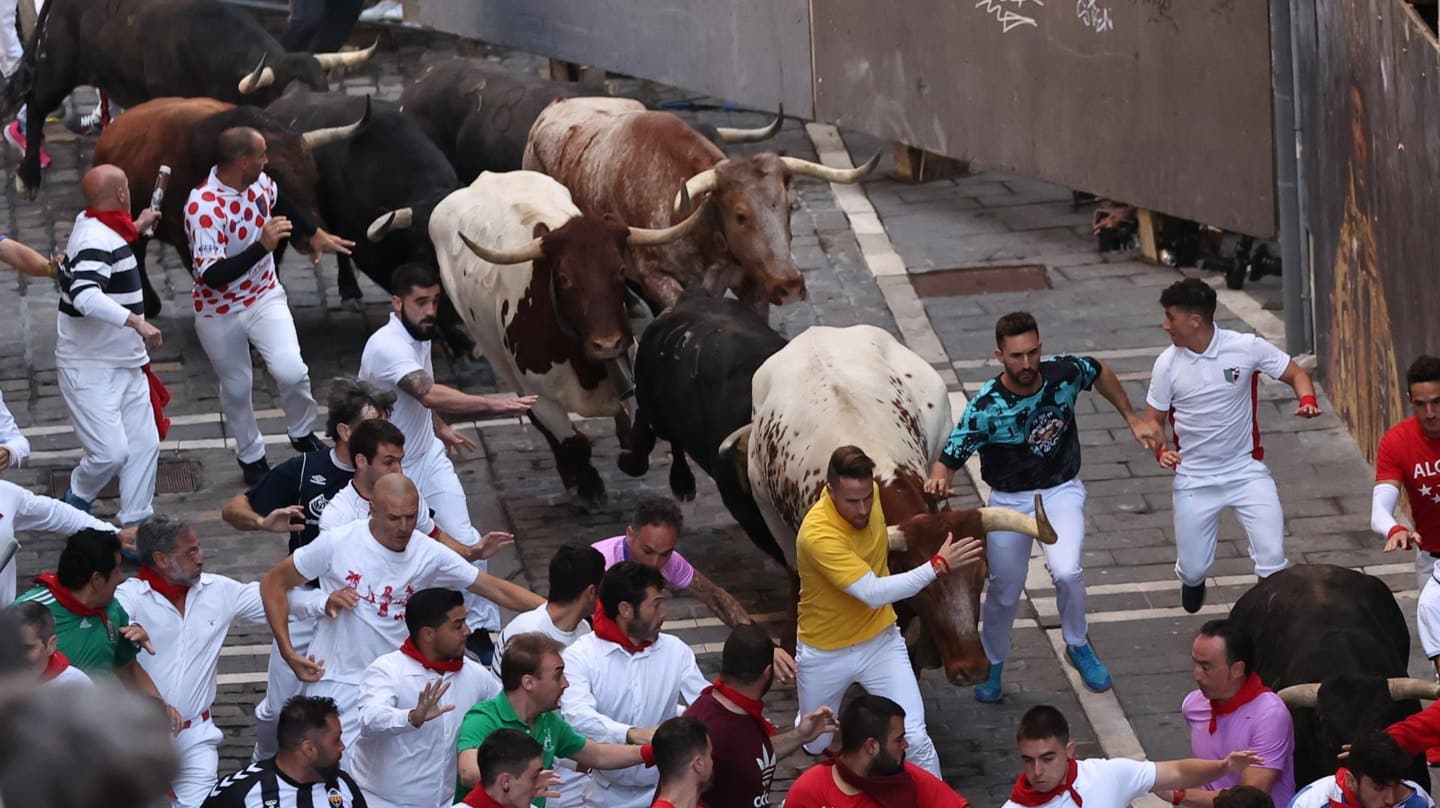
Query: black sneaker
column 309, row 443
column 1192, row 597
column 480, row 644
column 255, row 470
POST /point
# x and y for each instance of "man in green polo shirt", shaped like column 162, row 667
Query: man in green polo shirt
column 532, row 673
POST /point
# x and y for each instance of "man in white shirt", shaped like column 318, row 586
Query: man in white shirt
column 575, row 573
column 1053, row 778
column 626, row 677
column 1372, row 775
column 397, row 357
column 1207, row 385
column 38, row 640
column 22, row 510
column 372, row 568
column 14, row 446
column 187, row 613
column 408, row 706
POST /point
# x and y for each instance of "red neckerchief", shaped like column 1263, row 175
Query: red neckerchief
column 409, row 649
column 755, row 708
column 171, row 592
column 67, row 599
column 608, row 630
column 1347, row 797
column 1025, row 794
column 888, row 790
column 477, row 798
column 54, row 666
column 159, row 398
column 117, row 220
column 1249, row 691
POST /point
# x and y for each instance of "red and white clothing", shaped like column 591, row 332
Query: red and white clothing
column 1408, row 460
column 60, row 673
column 221, row 222
column 397, row 764
column 612, row 690
column 351, row 557
column 185, row 664
column 1213, row 402
column 22, row 510
column 349, row 504
column 1102, row 783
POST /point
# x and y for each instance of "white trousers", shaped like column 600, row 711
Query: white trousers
column 1427, row 608
column 1008, row 556
column 1198, row 503
column 199, row 750
column 434, row 475
column 115, row 424
column 881, row 665
column 281, row 685
column 227, row 339
column 12, row 49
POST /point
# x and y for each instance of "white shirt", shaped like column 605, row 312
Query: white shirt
column 1319, row 794
column 390, row 355
column 396, row 763
column 1213, row 397
column 70, row 677
column 349, row 504
column 612, row 690
column 22, row 510
column 1105, row 783
column 350, row 557
column 11, row 437
column 187, row 649
column 538, row 620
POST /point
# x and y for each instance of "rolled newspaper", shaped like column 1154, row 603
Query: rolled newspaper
column 158, row 195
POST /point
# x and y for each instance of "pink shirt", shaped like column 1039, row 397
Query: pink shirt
column 1263, row 725
column 677, row 570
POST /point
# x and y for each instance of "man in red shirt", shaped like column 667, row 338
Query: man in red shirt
column 871, row 769
column 1409, row 459
column 733, row 710
column 510, row 773
column 683, row 756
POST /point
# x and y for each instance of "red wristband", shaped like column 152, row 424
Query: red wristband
column 647, row 754
column 1394, row 530
column 1160, row 451
column 1309, row 401
column 940, row 565
column 1177, row 796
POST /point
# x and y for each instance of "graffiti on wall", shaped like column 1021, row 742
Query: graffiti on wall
column 1012, row 14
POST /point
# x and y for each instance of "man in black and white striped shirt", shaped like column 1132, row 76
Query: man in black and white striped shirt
column 306, row 772
column 101, row 351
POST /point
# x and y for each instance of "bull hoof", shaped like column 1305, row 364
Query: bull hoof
column 26, row 191
column 590, row 496
column 682, row 481
column 633, row 464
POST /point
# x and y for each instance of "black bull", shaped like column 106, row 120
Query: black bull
column 1330, row 640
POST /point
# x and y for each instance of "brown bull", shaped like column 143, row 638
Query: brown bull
column 618, row 158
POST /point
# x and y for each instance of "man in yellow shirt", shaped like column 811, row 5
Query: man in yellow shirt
column 847, row 628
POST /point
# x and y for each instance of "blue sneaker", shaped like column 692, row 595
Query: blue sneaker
column 76, row 502
column 990, row 691
column 1092, row 671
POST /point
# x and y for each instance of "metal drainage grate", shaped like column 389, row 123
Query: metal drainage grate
column 981, row 280
column 171, row 477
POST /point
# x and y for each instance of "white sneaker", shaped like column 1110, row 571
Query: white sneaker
column 383, row 11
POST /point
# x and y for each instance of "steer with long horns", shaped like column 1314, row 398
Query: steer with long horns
column 1334, row 645
column 617, row 157
column 182, row 133
column 137, row 50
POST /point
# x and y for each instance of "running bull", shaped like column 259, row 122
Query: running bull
column 862, row 387
column 136, row 50
column 1334, row 645
column 617, row 157
column 541, row 287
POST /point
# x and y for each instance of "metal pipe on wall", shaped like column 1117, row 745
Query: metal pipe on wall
column 1288, row 142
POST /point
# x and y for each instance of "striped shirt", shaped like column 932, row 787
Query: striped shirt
column 99, row 290
column 263, row 785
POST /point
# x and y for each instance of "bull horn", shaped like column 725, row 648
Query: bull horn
column 261, row 76
column 330, row 61
column 897, row 539
column 1298, row 696
column 1405, row 688
column 702, row 183
column 1037, row 527
column 317, row 138
column 385, row 224
column 732, row 135
column 529, row 252
column 805, row 168
column 649, row 237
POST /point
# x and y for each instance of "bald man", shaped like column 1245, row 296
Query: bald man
column 234, row 221
column 369, row 569
column 102, row 349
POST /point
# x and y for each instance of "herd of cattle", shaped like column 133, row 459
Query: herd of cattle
column 551, row 217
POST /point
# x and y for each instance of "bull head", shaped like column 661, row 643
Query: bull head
column 732, row 135
column 706, row 181
column 317, row 138
column 1036, row 527
column 1305, row 696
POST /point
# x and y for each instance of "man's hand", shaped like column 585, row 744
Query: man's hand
column 960, row 553
column 322, row 242
column 275, row 231
column 146, row 218
column 1307, row 409
column 1402, row 540
column 938, row 486
column 490, row 544
column 341, row 600
column 177, row 721
column 639, row 736
column 127, row 539
column 149, row 334
column 281, row 520
column 4, row 458
column 307, row 668
column 456, row 444
column 547, row 786
column 784, row 665
column 1169, row 459
column 135, row 633
column 509, row 404
column 1147, row 433
column 429, row 706
column 1344, row 752
column 815, row 724
column 1237, row 762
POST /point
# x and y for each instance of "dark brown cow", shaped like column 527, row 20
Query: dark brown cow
column 181, row 133
column 616, row 157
